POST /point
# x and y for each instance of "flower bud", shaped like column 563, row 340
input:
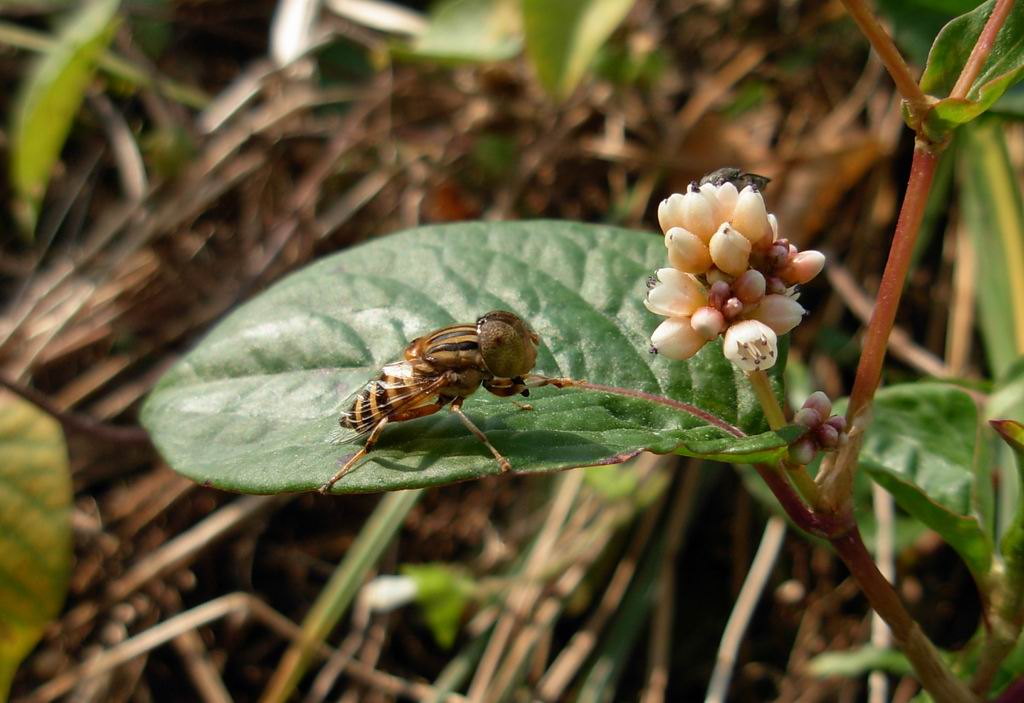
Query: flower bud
column 698, row 215
column 686, row 251
column 839, row 422
column 708, row 322
column 803, row 451
column 827, row 436
column 676, row 339
column 715, row 276
column 808, row 417
column 775, row 285
column 749, row 287
column 819, row 402
column 803, row 266
column 670, row 212
column 773, row 222
column 732, row 308
column 710, row 192
column 779, row 312
column 730, row 250
column 719, row 293
column 677, row 294
column 751, row 345
column 750, row 216
column 727, row 196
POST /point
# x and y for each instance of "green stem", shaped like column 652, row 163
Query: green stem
column 769, row 403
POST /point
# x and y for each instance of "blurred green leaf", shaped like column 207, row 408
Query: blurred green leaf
column 917, row 22
column 49, row 100
column 949, row 54
column 920, row 447
column 442, row 592
column 35, row 531
column 853, row 663
column 253, row 407
column 994, row 216
column 563, row 36
column 468, row 31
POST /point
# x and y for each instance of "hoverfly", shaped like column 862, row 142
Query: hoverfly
column 738, row 178
column 444, row 368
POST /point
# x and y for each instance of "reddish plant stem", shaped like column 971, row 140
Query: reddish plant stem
column 840, row 529
column 869, row 370
column 982, row 48
column 882, row 43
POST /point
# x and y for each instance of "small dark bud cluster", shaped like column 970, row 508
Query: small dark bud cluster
column 824, row 430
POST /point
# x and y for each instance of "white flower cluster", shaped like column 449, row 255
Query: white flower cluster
column 730, row 274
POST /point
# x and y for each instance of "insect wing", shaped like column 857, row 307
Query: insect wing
column 398, row 386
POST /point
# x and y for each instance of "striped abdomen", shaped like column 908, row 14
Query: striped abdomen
column 455, row 347
column 397, row 387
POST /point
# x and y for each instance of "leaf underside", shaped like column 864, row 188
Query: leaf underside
column 253, row 407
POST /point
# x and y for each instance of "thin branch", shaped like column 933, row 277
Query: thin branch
column 883, row 45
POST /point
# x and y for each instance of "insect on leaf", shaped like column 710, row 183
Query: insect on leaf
column 254, row 406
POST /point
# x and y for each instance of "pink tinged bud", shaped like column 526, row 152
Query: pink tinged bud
column 749, row 287
column 708, row 323
column 780, row 312
column 804, row 266
column 803, row 451
column 676, row 339
column 732, row 309
column 750, row 216
column 698, row 215
column 827, row 436
column 677, row 294
column 751, row 345
column 719, row 293
column 730, row 250
column 727, row 197
column 837, row 421
column 820, row 403
column 777, row 255
column 686, row 251
column 808, row 417
column 670, row 212
column 775, row 285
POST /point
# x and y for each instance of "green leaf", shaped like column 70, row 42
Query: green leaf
column 949, row 54
column 35, row 533
column 915, row 23
column 563, row 36
column 856, row 662
column 994, row 215
column 920, row 447
column 467, row 31
column 49, row 100
column 442, row 592
column 252, row 408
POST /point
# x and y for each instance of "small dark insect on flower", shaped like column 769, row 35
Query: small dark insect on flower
column 653, row 349
column 738, row 178
column 652, row 281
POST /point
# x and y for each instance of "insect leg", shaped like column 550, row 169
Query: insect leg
column 370, row 441
column 457, row 409
column 536, row 381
